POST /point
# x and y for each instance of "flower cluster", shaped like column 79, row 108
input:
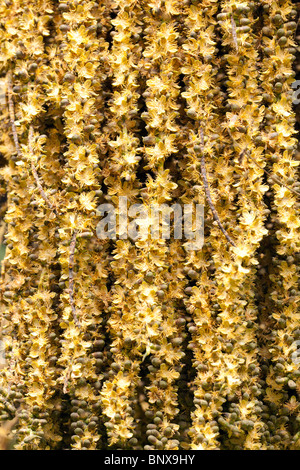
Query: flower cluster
column 142, row 343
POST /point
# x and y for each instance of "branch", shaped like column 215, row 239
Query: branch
column 66, row 381
column 71, row 296
column 30, row 137
column 35, row 174
column 246, row 151
column 71, row 276
column 12, row 114
column 2, row 231
column 234, row 35
column 207, row 191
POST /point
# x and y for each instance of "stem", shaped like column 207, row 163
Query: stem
column 12, row 114
column 71, row 276
column 234, row 35
column 207, row 191
column 246, row 151
column 35, row 174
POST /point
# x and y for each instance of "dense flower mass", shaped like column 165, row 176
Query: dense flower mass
column 142, row 343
